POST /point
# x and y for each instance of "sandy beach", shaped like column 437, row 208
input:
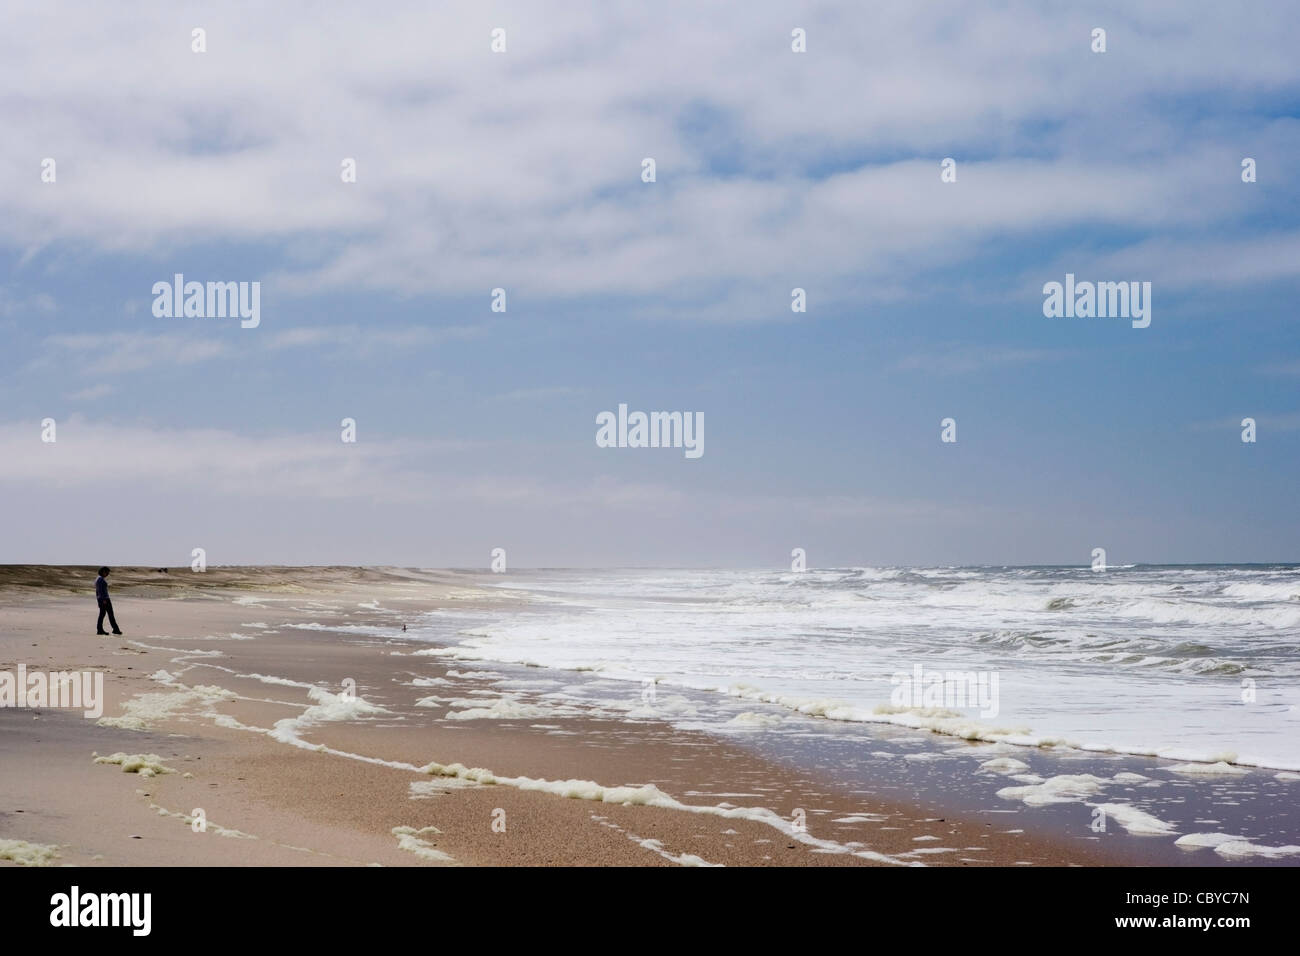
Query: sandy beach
column 231, row 735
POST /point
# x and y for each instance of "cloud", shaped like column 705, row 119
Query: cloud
column 222, row 462
column 99, row 353
column 94, row 353
column 13, row 306
column 1194, row 262
column 210, row 462
column 102, row 390
column 359, row 339
column 478, row 169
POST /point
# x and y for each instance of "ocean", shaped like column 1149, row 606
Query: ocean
column 1190, row 663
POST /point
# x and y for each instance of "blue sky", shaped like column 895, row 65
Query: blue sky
column 775, row 170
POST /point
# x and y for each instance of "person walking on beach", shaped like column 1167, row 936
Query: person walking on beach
column 105, row 605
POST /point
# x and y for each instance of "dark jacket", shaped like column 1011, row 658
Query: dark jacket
column 101, row 589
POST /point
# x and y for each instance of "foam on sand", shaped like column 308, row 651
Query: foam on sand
column 1135, row 821
column 748, row 720
column 1066, row 788
column 146, row 765
column 208, row 826
column 1199, row 841
column 412, row 841
column 182, row 654
column 438, row 787
column 1219, row 768
column 1077, row 788
column 931, row 850
column 656, row 846
column 1242, row 849
column 146, row 710
column 28, row 854
column 1004, row 765
column 1232, row 847
column 651, row 796
column 328, row 708
column 278, row 681
column 339, row 707
column 506, row 708
column 681, row 859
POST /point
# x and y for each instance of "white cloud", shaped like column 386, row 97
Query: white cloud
column 96, row 353
column 1193, row 262
column 100, row 353
column 477, row 169
column 13, row 306
column 217, row 461
column 102, row 390
column 357, row 339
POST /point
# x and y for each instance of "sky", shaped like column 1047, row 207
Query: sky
column 774, row 170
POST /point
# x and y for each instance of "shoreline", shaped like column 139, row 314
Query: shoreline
column 253, row 718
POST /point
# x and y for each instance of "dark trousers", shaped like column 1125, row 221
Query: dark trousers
column 106, row 607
